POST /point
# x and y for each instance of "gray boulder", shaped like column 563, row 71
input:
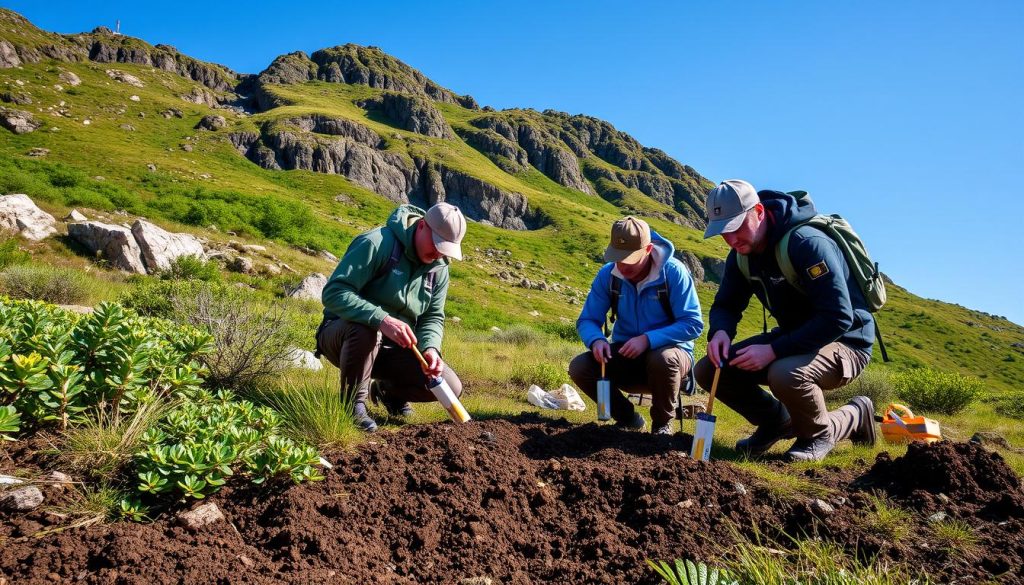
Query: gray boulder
column 692, row 264
column 21, row 499
column 212, row 122
column 714, row 268
column 242, row 265
column 114, row 243
column 118, row 75
column 311, row 288
column 20, row 215
column 8, row 55
column 303, row 358
column 70, row 78
column 18, row 121
column 160, row 247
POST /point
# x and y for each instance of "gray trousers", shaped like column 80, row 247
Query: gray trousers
column 357, row 351
column 657, row 372
column 797, row 385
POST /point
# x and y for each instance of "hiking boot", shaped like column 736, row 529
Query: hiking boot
column 665, row 429
column 764, row 437
column 865, row 433
column 813, row 449
column 362, row 418
column 398, row 407
column 635, row 422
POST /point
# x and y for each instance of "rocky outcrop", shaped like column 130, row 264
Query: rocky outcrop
column 8, row 55
column 356, row 65
column 692, row 263
column 211, row 122
column 118, row 75
column 714, row 268
column 18, row 214
column 411, row 113
column 18, row 121
column 160, row 248
column 311, row 288
column 480, row 200
column 113, row 243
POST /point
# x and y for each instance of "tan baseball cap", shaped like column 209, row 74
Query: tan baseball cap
column 630, row 237
column 727, row 204
column 448, row 227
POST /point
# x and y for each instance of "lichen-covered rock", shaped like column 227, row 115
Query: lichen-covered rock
column 21, row 499
column 18, row 121
column 113, row 243
column 212, row 122
column 118, row 75
column 160, row 248
column 311, row 288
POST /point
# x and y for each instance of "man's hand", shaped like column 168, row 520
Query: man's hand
column 434, row 364
column 718, row 348
column 602, row 351
column 753, row 357
column 398, row 331
column 635, row 347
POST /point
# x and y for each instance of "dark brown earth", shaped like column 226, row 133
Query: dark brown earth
column 531, row 500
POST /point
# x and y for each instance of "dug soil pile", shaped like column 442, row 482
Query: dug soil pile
column 532, row 500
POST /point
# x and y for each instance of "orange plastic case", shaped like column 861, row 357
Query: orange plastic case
column 899, row 425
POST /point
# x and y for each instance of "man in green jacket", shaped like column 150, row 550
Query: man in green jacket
column 386, row 296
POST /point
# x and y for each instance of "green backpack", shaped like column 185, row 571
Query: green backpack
column 862, row 267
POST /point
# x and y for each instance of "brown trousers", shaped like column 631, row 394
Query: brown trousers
column 657, row 372
column 357, row 351
column 797, row 385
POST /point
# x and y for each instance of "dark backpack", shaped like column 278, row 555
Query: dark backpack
column 863, row 269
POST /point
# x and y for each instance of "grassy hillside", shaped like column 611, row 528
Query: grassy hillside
column 110, row 151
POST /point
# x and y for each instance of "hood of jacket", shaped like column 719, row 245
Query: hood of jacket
column 402, row 223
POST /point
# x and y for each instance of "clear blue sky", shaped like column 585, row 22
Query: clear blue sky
column 906, row 117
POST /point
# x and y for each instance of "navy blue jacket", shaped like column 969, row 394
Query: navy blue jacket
column 833, row 309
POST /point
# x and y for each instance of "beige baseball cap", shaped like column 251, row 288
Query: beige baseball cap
column 727, row 204
column 630, row 237
column 448, row 227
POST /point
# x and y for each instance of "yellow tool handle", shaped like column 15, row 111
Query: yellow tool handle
column 602, row 369
column 714, row 388
column 419, row 356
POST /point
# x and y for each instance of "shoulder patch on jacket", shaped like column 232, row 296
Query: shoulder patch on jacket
column 818, row 270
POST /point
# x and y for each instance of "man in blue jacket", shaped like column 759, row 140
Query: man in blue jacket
column 657, row 316
column 824, row 336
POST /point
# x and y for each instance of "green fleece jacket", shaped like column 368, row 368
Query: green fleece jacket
column 353, row 294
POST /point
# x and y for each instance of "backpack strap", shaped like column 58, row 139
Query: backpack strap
column 396, row 255
column 614, row 292
column 663, row 297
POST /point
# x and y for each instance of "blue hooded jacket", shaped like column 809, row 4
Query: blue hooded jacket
column 833, row 309
column 639, row 309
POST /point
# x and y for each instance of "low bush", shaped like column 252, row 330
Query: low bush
column 1011, row 405
column 936, row 391
column 543, row 374
column 192, row 268
column 210, row 437
column 518, row 335
column 874, row 384
column 11, row 254
column 62, row 286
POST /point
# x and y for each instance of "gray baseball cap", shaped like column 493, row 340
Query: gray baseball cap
column 727, row 204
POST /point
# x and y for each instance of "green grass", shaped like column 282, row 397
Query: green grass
column 957, row 538
column 313, row 409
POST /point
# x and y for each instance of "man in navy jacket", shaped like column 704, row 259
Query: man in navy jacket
column 658, row 316
column 824, row 336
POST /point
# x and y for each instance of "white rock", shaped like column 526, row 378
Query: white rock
column 311, row 287
column 123, row 77
column 70, row 79
column 21, row 499
column 19, row 214
column 254, row 248
column 134, row 98
column 10, row 480
column 161, row 247
column 200, row 516
column 114, row 243
column 327, row 464
column 75, row 215
column 821, row 507
column 303, row 358
column 534, row 313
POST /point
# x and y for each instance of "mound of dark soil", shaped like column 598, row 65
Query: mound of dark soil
column 516, row 501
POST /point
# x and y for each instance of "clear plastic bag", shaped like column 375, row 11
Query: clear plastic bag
column 564, row 398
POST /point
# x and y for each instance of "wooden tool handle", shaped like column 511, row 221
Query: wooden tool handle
column 602, row 369
column 419, row 356
column 714, row 388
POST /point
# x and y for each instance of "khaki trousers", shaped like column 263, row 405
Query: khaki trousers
column 797, row 385
column 657, row 372
column 357, row 351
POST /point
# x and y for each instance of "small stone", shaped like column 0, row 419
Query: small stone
column 534, row 313
column 246, row 561
column 39, row 151
column 685, row 504
column 740, row 488
column 134, row 98
column 10, row 480
column 519, row 265
column 821, row 508
column 937, row 517
column 327, row 464
column 495, row 329
column 186, row 147
column 151, row 166
column 455, row 320
column 128, row 127
column 200, row 516
column 58, row 480
column 942, row 498
column 22, row 499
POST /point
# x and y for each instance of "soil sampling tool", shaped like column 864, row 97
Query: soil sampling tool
column 443, row 393
column 604, row 397
column 899, row 425
column 701, row 448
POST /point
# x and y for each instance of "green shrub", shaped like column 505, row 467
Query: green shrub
column 1011, row 405
column 935, row 391
column 192, row 268
column 518, row 335
column 545, row 375
column 690, row 573
column 62, row 286
column 209, row 438
column 874, row 384
column 562, row 330
column 11, row 254
column 10, row 422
